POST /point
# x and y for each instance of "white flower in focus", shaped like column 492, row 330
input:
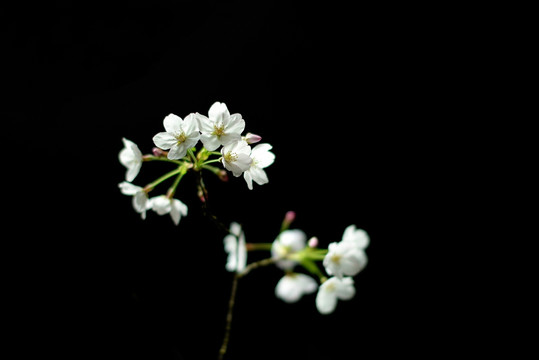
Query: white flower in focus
column 130, row 157
column 262, row 157
column 163, row 205
column 235, row 248
column 293, row 286
column 219, row 128
column 332, row 290
column 236, row 157
column 358, row 237
column 288, row 242
column 140, row 197
column 347, row 257
column 180, row 135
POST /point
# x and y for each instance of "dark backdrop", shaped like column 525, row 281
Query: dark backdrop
column 340, row 93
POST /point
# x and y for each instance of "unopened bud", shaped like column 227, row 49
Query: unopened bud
column 222, row 174
column 313, row 242
column 159, row 152
column 289, row 217
column 252, row 138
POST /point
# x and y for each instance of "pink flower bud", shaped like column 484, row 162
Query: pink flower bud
column 223, row 175
column 313, row 242
column 159, row 152
column 252, row 138
column 290, row 216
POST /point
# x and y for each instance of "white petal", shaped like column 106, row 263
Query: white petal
column 236, row 124
column 139, row 201
column 217, row 110
column 164, row 140
column 205, row 125
column 243, row 162
column 173, row 123
column 177, row 151
column 263, row 156
column 287, row 289
column 235, row 228
column 230, row 138
column 190, row 124
column 345, row 289
column 308, row 284
column 248, row 179
column 161, row 204
column 242, row 253
column 133, row 171
column 210, row 142
column 129, row 189
column 177, row 210
column 326, row 301
column 357, row 236
column 259, row 175
column 295, row 239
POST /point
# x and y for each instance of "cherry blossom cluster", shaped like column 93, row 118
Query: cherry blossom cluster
column 177, row 145
column 341, row 261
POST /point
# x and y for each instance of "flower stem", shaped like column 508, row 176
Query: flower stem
column 232, row 300
column 210, row 162
column 172, row 189
column 170, row 174
column 259, row 246
column 231, row 303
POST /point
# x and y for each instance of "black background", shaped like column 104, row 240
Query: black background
column 345, row 96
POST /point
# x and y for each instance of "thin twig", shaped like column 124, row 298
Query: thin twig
column 228, row 326
column 232, row 300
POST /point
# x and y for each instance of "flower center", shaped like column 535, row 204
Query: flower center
column 330, row 287
column 231, row 156
column 218, row 130
column 336, row 259
column 181, row 138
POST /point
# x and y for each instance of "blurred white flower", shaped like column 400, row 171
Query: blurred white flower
column 130, row 157
column 358, row 237
column 164, row 205
column 140, row 197
column 332, row 290
column 219, row 128
column 347, row 257
column 288, row 242
column 293, row 286
column 262, row 157
column 236, row 157
column 180, row 135
column 344, row 259
column 235, row 248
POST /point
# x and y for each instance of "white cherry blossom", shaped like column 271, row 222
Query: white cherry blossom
column 236, row 157
column 130, row 157
column 180, row 135
column 293, row 286
column 347, row 257
column 235, row 248
column 220, row 128
column 344, row 258
column 288, row 242
column 262, row 157
column 164, row 205
column 358, row 237
column 332, row 290
column 140, row 197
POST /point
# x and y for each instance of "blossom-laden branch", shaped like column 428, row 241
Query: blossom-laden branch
column 306, row 268
column 341, row 261
column 177, row 145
